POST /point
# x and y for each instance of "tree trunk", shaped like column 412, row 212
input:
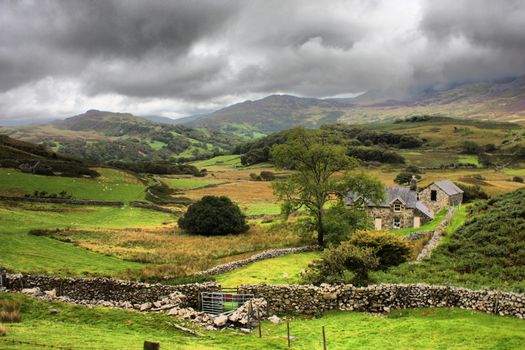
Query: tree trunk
column 320, row 229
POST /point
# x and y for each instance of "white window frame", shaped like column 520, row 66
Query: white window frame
column 397, row 207
column 398, row 225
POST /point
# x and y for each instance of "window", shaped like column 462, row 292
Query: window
column 433, row 195
column 397, row 207
column 397, row 223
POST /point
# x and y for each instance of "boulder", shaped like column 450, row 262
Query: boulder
column 220, row 320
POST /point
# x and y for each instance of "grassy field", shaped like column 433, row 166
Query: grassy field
column 174, row 253
column 187, row 183
column 228, row 161
column 98, row 328
column 112, row 185
column 20, row 251
column 282, row 270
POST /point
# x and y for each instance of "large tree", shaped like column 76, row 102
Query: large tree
column 321, row 174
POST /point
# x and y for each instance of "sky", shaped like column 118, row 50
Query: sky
column 177, row 58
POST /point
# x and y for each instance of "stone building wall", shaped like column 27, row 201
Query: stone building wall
column 108, row 289
column 308, row 299
column 441, row 201
column 387, row 216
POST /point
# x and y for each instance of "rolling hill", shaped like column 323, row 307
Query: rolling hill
column 106, row 136
column 496, row 101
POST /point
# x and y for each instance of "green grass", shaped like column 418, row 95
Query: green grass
column 112, row 185
column 261, row 208
column 156, row 145
column 99, row 328
column 468, row 159
column 22, row 252
column 186, row 184
column 281, row 270
column 429, row 226
column 231, row 160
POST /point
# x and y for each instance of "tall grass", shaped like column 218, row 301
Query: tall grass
column 10, row 311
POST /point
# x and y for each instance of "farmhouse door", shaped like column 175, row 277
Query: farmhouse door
column 417, row 221
column 378, row 224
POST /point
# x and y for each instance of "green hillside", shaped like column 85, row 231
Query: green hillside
column 105, row 136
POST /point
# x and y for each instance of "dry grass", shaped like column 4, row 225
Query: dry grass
column 174, row 253
column 3, row 330
column 10, row 311
column 243, row 192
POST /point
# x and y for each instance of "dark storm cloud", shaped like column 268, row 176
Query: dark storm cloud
column 189, row 55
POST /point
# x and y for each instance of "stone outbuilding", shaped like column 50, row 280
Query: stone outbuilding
column 406, row 207
column 441, row 194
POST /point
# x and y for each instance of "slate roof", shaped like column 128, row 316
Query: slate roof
column 448, row 187
column 402, row 193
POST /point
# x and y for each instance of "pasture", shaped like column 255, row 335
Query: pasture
column 111, row 185
column 84, row 328
column 23, row 252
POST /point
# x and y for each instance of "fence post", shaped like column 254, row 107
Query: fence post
column 324, row 339
column 151, row 345
column 288, row 331
column 259, row 321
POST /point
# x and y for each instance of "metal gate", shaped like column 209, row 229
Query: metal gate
column 222, row 302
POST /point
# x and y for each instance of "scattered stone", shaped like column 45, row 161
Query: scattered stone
column 145, row 306
column 220, row 320
column 53, row 311
column 274, row 319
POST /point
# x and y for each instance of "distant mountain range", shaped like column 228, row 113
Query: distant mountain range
column 107, row 136
column 501, row 100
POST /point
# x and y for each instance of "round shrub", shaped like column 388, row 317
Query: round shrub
column 213, row 216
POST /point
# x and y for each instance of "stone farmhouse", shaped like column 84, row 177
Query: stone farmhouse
column 406, row 206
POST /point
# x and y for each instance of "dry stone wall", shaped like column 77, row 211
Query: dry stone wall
column 308, row 299
column 108, row 289
column 267, row 254
column 63, row 201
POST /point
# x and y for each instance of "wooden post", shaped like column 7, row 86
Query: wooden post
column 288, row 331
column 151, row 345
column 249, row 311
column 324, row 339
column 259, row 320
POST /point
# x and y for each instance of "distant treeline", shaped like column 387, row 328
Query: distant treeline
column 362, row 144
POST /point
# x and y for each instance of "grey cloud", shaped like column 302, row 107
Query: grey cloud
column 194, row 52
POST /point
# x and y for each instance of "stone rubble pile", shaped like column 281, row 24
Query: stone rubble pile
column 245, row 316
column 267, row 254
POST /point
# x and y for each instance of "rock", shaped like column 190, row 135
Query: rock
column 31, row 291
column 245, row 330
column 274, row 319
column 220, row 320
column 145, row 306
column 51, row 293
column 53, row 311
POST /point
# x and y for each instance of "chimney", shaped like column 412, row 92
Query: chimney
column 413, row 184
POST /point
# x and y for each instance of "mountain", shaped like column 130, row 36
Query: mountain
column 106, row 136
column 272, row 113
column 497, row 100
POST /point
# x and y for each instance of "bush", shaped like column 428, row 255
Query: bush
column 404, row 178
column 340, row 222
column 517, row 179
column 470, row 147
column 352, row 260
column 213, row 216
column 391, row 249
column 472, row 193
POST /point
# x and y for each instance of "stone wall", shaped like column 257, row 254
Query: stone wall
column 63, row 201
column 108, row 289
column 442, row 199
column 308, row 299
column 387, row 216
column 151, row 206
column 267, row 254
